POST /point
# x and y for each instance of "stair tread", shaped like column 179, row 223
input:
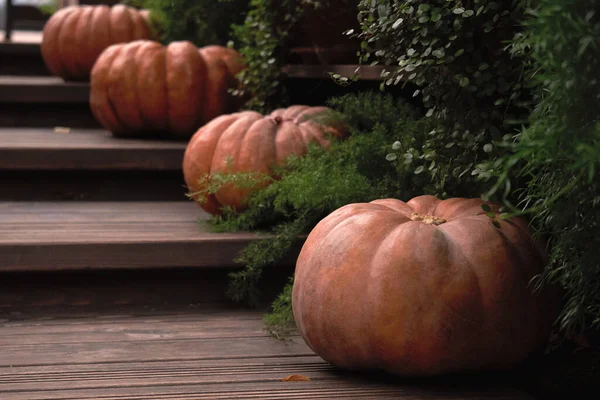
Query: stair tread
column 74, row 235
column 44, row 148
column 42, row 89
column 20, row 38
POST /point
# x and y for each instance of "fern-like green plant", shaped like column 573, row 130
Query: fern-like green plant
column 558, row 153
column 202, row 22
column 310, row 187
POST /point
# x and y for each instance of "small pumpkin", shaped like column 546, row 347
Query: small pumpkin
column 252, row 143
column 143, row 88
column 421, row 288
column 75, row 36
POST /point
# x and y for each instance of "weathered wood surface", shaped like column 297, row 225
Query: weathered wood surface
column 84, row 149
column 209, row 353
column 42, row 89
column 73, row 235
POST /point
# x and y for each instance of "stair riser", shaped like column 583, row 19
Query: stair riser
column 47, row 115
column 92, row 186
column 23, row 65
column 66, row 293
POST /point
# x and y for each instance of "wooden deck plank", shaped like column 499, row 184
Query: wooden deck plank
column 74, row 235
column 145, row 331
column 205, row 367
column 42, row 89
column 84, row 149
column 87, row 213
column 73, row 352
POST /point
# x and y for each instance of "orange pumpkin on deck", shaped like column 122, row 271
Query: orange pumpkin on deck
column 421, row 288
column 143, row 88
column 75, row 36
column 250, row 142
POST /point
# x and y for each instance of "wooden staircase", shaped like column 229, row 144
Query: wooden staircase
column 111, row 288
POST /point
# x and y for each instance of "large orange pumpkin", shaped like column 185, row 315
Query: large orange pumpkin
column 421, row 288
column 144, row 88
column 75, row 36
column 250, row 142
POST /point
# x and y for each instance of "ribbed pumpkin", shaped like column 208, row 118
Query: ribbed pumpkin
column 250, row 142
column 75, row 36
column 143, row 88
column 421, row 288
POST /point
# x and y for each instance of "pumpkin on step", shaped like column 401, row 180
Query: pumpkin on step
column 421, row 288
column 75, row 36
column 249, row 142
column 143, row 88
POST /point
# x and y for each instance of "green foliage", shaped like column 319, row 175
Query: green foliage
column 454, row 52
column 202, row 22
column 559, row 152
column 281, row 321
column 48, row 8
column 262, row 39
column 352, row 170
column 211, row 184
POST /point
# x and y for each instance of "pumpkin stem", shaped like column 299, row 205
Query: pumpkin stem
column 427, row 219
column 277, row 120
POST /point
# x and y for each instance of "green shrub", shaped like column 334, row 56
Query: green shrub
column 202, row 22
column 263, row 39
column 352, row 170
column 558, row 153
column 454, row 52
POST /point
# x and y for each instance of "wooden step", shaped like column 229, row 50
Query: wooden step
column 107, row 235
column 44, row 101
column 41, row 164
column 38, row 101
column 42, row 89
column 73, row 235
column 22, row 55
column 81, row 149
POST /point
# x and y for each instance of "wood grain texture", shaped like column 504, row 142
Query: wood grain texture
column 84, row 149
column 42, row 89
column 73, row 235
column 204, row 355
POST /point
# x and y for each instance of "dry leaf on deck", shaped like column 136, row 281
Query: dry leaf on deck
column 295, row 378
column 62, row 129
